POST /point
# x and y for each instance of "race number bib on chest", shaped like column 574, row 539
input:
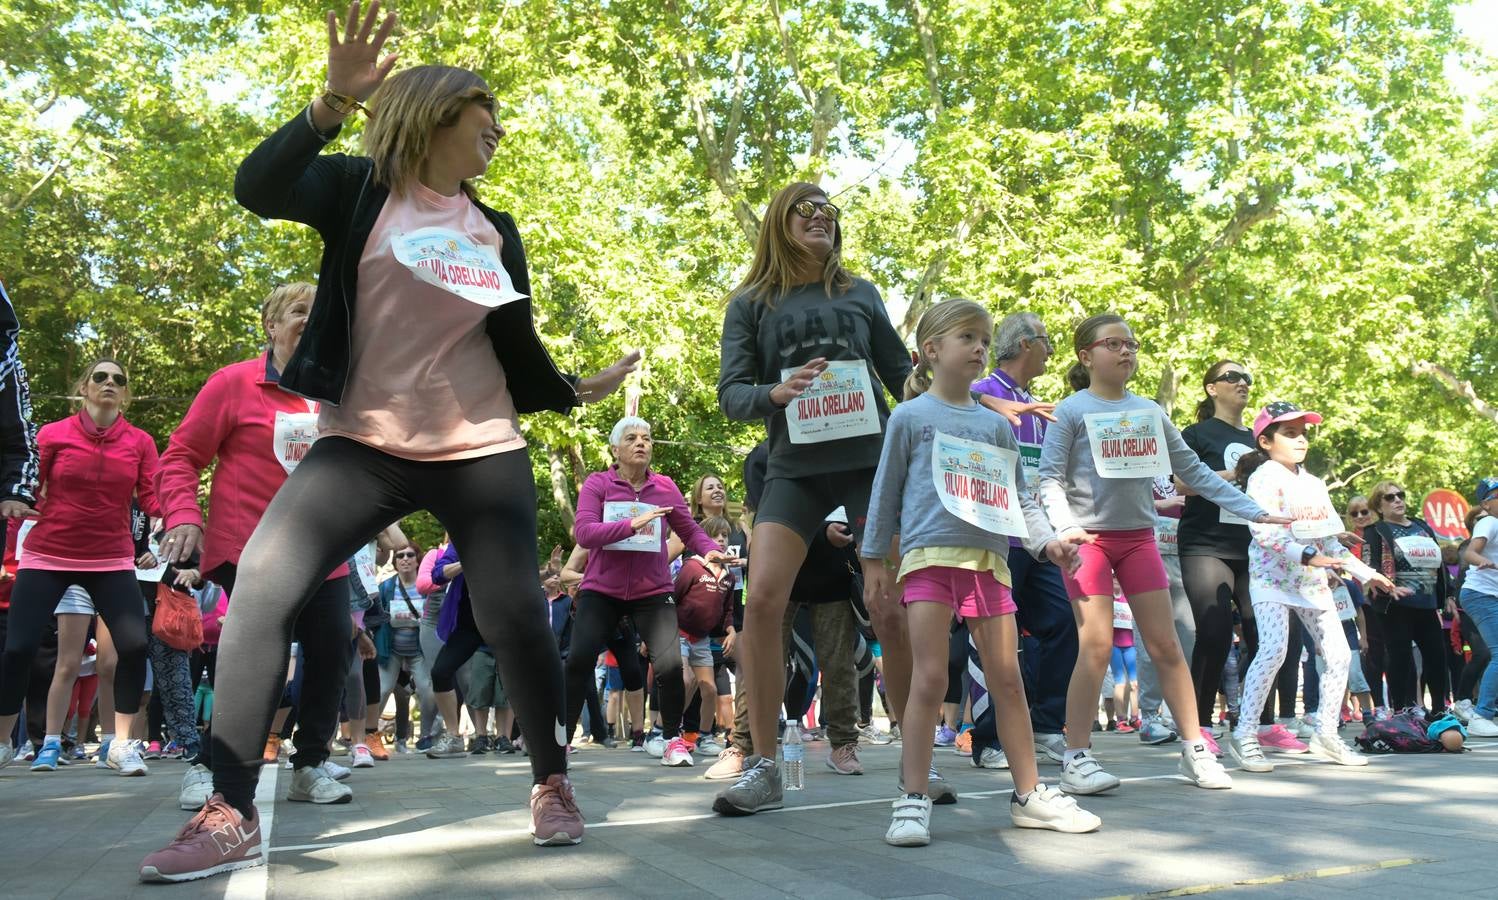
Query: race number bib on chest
column 294, row 435
column 456, row 263
column 1419, row 551
column 647, row 541
column 1128, row 444
column 838, row 404
column 1167, row 535
column 975, row 482
column 1123, row 617
column 1315, row 521
column 365, row 569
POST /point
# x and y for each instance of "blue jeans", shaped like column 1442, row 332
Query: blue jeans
column 1483, row 608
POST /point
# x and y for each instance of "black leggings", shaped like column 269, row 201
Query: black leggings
column 342, row 493
column 459, row 648
column 1403, row 625
column 1212, row 585
column 1481, row 656
column 655, row 620
column 33, row 601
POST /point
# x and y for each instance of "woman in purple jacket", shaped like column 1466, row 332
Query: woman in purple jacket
column 621, row 517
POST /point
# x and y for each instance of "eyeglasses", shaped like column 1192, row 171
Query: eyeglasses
column 1393, row 495
column 1359, row 513
column 117, row 377
column 808, row 208
column 1044, row 339
column 1234, row 378
column 1115, row 344
column 406, row 554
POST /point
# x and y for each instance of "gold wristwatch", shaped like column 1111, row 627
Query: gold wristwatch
column 343, row 104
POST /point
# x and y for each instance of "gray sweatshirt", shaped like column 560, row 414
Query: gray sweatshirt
column 759, row 342
column 905, row 500
column 1076, row 496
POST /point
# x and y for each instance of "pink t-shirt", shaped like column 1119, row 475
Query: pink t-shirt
column 424, row 381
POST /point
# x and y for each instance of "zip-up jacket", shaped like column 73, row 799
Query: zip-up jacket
column 287, row 177
column 89, row 479
column 628, row 574
column 18, row 454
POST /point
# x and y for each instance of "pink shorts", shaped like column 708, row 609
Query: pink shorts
column 1132, row 557
column 969, row 594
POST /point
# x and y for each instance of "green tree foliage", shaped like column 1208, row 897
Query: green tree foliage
column 1291, row 184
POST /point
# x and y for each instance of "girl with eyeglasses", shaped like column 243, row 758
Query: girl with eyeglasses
column 1097, row 471
column 91, row 465
column 1405, row 550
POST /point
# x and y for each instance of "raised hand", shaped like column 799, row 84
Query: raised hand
column 354, row 64
column 596, row 387
column 786, row 391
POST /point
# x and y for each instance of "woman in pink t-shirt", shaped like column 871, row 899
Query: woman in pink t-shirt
column 422, row 348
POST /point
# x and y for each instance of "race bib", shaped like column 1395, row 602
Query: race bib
column 1167, row 535
column 1343, row 600
column 838, row 404
column 294, row 434
column 364, row 569
column 457, row 264
column 153, row 575
column 1123, row 617
column 975, row 482
column 647, row 541
column 1315, row 522
column 403, row 613
column 1129, row 444
column 1230, row 456
column 1419, row 551
column 1029, row 463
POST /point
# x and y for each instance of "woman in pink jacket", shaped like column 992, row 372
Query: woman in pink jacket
column 91, row 465
column 621, row 514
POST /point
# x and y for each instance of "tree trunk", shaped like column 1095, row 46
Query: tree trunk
column 561, row 491
column 1170, row 388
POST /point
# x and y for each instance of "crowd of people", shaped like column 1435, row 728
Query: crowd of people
column 1185, row 581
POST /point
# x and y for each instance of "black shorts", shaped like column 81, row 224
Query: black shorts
column 803, row 504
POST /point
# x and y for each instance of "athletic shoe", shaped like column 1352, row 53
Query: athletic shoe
column 172, row 750
column 446, row 746
column 1211, row 743
column 101, row 758
column 1247, row 753
column 423, row 743
column 1050, row 747
column 48, row 759
column 844, row 760
column 1332, row 749
column 335, row 771
column 808, row 735
column 1047, row 807
column 608, row 743
column 1279, row 739
column 677, row 753
column 1126, row 727
column 730, row 765
column 655, row 746
column 502, row 744
column 895, row 733
column 874, row 735
column 964, row 743
column 1302, row 726
column 152, row 751
column 990, row 758
column 7, row 753
column 1202, row 769
column 945, row 737
column 709, row 746
column 313, row 784
column 1153, row 731
column 28, row 753
column 1484, row 728
column 910, row 822
column 478, row 745
column 637, row 742
column 941, row 793
column 758, row 788
column 363, row 759
column 197, row 787
column 272, row 753
column 214, row 841
column 124, row 756
column 1464, row 710
column 1085, row 775
column 78, row 753
column 375, row 743
column 401, row 748
column 555, row 819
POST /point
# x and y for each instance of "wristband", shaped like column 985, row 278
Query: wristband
column 343, row 104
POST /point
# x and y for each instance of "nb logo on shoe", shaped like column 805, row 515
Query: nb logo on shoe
column 231, row 837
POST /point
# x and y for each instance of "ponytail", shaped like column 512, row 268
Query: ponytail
column 940, row 320
column 1248, row 463
column 1078, row 377
column 1206, row 409
column 919, row 381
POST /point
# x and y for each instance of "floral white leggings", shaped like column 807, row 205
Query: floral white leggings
column 1274, row 634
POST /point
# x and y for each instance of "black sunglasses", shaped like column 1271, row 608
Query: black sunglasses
column 1394, row 495
column 1359, row 513
column 117, row 377
column 406, row 554
column 808, row 208
column 1234, row 378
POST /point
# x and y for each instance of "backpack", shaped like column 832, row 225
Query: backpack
column 1403, row 732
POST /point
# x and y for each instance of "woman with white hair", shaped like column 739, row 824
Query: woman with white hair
column 621, row 517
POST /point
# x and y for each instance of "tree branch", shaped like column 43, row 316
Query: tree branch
column 57, row 165
column 937, row 265
column 921, row 17
column 1344, row 481
column 1457, row 387
column 1263, row 207
column 793, row 60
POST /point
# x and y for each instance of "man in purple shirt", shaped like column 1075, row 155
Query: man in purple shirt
column 1021, row 349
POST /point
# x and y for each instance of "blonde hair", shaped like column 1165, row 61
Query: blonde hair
column 83, row 380
column 1377, row 496
column 778, row 257
column 406, row 109
column 937, row 322
column 284, row 295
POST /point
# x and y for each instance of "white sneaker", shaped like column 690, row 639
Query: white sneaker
column 197, row 787
column 1202, row 769
column 335, row 771
column 313, row 784
column 125, row 757
column 1085, row 775
column 910, row 822
column 677, row 753
column 1332, row 749
column 1247, row 753
column 7, row 753
column 1464, row 710
column 1047, row 807
column 655, row 745
column 363, row 759
column 990, row 758
column 1050, row 747
column 1484, row 728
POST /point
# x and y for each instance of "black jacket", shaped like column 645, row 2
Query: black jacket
column 18, row 458
column 286, row 177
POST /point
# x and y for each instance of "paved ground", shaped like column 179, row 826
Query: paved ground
column 456, row 828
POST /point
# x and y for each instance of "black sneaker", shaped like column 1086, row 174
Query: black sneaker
column 479, row 744
column 502, row 744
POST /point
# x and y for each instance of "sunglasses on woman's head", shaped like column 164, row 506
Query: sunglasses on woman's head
column 117, row 377
column 808, row 208
column 1234, row 378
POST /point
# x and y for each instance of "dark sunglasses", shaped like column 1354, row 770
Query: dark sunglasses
column 808, row 208
column 117, row 377
column 1359, row 513
column 1234, row 378
column 1393, row 495
column 406, row 554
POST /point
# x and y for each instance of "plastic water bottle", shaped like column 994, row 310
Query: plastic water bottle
column 793, row 758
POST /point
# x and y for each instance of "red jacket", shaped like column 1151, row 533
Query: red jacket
column 89, row 479
column 233, row 418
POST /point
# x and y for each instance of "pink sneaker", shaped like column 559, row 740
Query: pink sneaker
column 1278, row 739
column 214, row 841
column 555, row 819
column 1211, row 742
